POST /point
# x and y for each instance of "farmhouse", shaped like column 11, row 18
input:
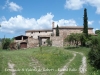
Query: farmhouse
column 33, row 38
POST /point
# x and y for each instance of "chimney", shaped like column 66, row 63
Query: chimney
column 53, row 23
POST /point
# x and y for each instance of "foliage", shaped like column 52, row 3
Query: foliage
column 97, row 32
column 85, row 18
column 75, row 38
column 57, row 30
column 0, row 62
column 49, row 42
column 0, row 42
column 5, row 43
column 94, row 54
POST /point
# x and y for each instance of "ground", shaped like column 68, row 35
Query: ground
column 46, row 61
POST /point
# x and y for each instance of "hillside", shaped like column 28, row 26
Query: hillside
column 46, row 61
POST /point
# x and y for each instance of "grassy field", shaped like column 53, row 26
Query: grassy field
column 90, row 70
column 50, row 58
column 43, row 62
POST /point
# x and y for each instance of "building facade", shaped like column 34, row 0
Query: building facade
column 40, row 36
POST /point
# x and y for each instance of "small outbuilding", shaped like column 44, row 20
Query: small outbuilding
column 21, row 41
column 23, row 45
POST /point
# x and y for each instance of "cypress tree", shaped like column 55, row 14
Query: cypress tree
column 85, row 24
column 57, row 30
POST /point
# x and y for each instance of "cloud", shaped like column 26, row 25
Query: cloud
column 90, row 22
column 95, row 3
column 78, row 4
column 74, row 4
column 12, row 6
column 63, row 22
column 19, row 24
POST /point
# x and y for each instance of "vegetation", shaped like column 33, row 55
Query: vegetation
column 49, row 42
column 85, row 25
column 5, row 43
column 75, row 39
column 50, row 58
column 0, row 62
column 74, row 65
column 85, row 18
column 94, row 54
column 57, row 30
column 91, row 70
column 97, row 32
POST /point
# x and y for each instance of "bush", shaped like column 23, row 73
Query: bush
column 49, row 42
column 5, row 43
column 94, row 54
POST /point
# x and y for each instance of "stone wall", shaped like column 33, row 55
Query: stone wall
column 32, row 42
column 36, row 34
column 57, row 41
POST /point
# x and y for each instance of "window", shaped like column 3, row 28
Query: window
column 39, row 31
column 44, row 42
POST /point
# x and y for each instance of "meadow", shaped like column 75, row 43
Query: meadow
column 44, row 61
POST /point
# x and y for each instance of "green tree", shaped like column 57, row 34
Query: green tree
column 85, row 24
column 5, row 43
column 74, row 39
column 97, row 32
column 94, row 54
column 57, row 30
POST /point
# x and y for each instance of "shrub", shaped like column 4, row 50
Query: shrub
column 5, row 43
column 94, row 54
column 49, row 42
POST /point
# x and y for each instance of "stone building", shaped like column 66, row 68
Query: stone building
column 36, row 37
column 21, row 41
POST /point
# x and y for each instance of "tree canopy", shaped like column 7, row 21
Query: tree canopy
column 97, row 32
column 74, row 38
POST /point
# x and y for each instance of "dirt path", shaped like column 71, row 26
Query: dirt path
column 64, row 68
column 11, row 68
column 82, row 68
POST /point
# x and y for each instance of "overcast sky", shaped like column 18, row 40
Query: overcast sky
column 17, row 16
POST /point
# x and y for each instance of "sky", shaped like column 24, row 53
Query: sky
column 18, row 16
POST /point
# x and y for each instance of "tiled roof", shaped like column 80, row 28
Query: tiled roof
column 72, row 27
column 61, row 27
column 39, row 30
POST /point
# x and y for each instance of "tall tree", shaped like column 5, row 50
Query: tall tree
column 57, row 30
column 85, row 24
